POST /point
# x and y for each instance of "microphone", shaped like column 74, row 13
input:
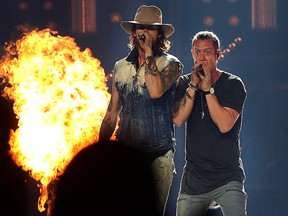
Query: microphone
column 199, row 69
column 141, row 37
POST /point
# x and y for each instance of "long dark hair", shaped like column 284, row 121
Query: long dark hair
column 162, row 43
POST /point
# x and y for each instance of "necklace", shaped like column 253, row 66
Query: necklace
column 202, row 113
column 203, row 107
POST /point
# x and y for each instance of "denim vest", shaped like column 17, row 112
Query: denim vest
column 145, row 123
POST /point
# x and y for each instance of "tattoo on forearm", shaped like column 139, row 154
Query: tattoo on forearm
column 151, row 68
column 170, row 74
column 107, row 123
column 176, row 107
column 183, row 102
column 179, row 105
column 106, row 130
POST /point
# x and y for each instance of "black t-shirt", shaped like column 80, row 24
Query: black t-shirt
column 213, row 158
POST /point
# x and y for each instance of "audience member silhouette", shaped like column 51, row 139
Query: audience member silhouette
column 107, row 178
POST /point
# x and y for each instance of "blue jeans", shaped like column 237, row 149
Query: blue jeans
column 231, row 197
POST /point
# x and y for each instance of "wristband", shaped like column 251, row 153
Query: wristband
column 192, row 86
column 188, row 95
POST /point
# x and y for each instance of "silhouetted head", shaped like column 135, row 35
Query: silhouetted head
column 109, row 178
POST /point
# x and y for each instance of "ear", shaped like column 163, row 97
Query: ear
column 218, row 54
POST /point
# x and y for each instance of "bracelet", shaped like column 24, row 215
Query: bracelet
column 152, row 71
column 150, row 67
column 192, row 86
column 188, row 95
column 148, row 61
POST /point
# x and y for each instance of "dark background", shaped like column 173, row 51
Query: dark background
column 261, row 60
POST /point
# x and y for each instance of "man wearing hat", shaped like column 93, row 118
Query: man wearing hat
column 143, row 90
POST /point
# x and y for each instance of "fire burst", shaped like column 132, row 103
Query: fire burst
column 60, row 98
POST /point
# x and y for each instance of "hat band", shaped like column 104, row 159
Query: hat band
column 149, row 27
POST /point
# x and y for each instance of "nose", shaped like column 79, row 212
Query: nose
column 202, row 56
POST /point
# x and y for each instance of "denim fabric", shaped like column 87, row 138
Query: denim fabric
column 144, row 122
column 231, row 197
column 163, row 169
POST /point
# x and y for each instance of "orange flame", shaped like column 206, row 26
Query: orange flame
column 60, row 98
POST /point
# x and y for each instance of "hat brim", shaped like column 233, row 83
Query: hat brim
column 168, row 29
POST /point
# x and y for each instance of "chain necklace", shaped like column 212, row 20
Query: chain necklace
column 202, row 113
column 203, row 106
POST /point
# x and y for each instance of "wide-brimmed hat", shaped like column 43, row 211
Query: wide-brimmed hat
column 148, row 15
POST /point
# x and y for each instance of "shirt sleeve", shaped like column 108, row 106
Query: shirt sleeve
column 236, row 96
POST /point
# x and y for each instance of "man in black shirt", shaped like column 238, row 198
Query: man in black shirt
column 211, row 103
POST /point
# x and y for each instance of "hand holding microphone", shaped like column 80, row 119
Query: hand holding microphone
column 145, row 42
column 200, row 70
column 141, row 37
column 199, row 74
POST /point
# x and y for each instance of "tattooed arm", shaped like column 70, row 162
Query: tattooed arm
column 186, row 91
column 158, row 82
column 111, row 117
column 183, row 108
